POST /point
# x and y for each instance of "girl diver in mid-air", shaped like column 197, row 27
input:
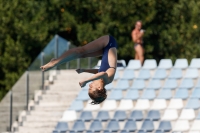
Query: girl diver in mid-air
column 105, row 46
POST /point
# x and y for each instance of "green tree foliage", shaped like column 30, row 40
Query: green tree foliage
column 172, row 29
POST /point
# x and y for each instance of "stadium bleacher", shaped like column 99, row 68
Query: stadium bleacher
column 150, row 98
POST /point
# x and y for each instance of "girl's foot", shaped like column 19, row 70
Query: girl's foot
column 49, row 65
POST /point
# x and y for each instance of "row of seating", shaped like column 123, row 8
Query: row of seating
column 153, row 84
column 130, row 126
column 159, row 74
column 150, row 94
column 136, row 115
column 141, row 104
column 164, row 64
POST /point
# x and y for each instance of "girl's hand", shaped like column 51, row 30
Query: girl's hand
column 79, row 71
column 82, row 83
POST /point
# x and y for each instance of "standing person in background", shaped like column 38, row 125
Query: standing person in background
column 137, row 35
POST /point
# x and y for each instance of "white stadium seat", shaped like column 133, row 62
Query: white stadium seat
column 159, row 104
column 187, row 114
column 91, row 107
column 170, row 114
column 109, row 105
column 69, row 115
column 165, row 64
column 142, row 104
column 175, row 104
column 195, row 125
column 134, row 64
column 181, row 63
column 181, row 125
column 149, row 64
column 125, row 105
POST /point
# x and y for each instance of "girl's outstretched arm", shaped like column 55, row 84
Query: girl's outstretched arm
column 94, row 71
column 100, row 75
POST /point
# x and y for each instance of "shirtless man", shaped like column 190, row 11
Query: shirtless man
column 137, row 35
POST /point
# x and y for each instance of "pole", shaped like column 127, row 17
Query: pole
column 11, row 108
column 42, row 62
column 78, row 64
column 27, row 89
column 56, row 50
column 67, row 64
column 89, row 62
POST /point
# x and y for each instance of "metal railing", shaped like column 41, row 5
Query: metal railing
column 33, row 79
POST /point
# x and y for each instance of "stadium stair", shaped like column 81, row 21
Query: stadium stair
column 48, row 108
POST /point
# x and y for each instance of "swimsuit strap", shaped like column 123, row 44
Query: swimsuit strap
column 113, row 67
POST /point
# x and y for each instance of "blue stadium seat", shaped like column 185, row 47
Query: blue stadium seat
column 61, row 127
column 148, row 94
column 138, row 84
column 198, row 116
column 181, row 93
column 193, row 103
column 159, row 131
column 122, row 85
column 89, row 131
column 130, row 126
column 103, row 116
column 132, row 94
column 109, row 86
column 181, row 63
column 141, row 131
column 195, row 63
column 186, row 83
column 165, row 64
column 96, row 126
column 176, row 74
column 144, row 74
column 165, row 94
column 198, row 84
column 149, row 64
column 192, row 73
column 83, row 95
column 154, row 84
column 79, row 126
column 116, row 75
column 134, row 64
column 153, row 115
column 113, row 126
column 196, row 93
column 119, row 115
column 72, row 131
column 106, row 131
column 115, row 95
column 86, row 116
column 170, row 84
column 136, row 115
column 124, row 131
column 128, row 74
column 160, row 74
column 147, row 125
column 76, row 105
column 165, row 126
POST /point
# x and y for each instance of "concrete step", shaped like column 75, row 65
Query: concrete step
column 50, row 109
column 39, row 124
column 3, row 127
column 35, row 130
column 53, row 104
column 42, row 113
column 42, row 119
column 57, row 98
